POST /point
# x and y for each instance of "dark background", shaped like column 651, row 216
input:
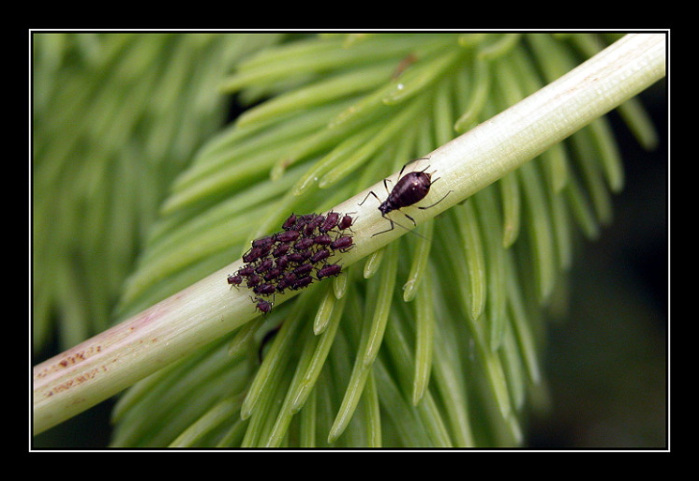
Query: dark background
column 607, row 361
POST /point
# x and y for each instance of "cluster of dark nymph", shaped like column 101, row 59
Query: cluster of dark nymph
column 294, row 257
column 291, row 258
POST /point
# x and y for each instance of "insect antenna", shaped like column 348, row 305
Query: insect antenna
column 411, row 231
column 440, row 200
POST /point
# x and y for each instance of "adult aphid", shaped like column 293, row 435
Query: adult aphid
column 410, row 189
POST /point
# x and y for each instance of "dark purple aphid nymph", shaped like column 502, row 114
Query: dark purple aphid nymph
column 342, row 244
column 329, row 271
column 293, row 258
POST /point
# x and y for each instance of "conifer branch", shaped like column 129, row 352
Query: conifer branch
column 109, row 362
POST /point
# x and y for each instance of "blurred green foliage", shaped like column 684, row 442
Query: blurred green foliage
column 123, row 169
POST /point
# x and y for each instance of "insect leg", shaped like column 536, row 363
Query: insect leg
column 386, row 186
column 401, row 170
column 371, row 192
column 440, row 200
column 393, row 226
column 411, row 219
column 387, row 230
column 412, row 162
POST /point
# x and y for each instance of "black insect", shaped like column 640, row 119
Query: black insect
column 235, row 279
column 410, row 189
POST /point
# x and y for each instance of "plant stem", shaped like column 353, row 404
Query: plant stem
column 115, row 359
column 102, row 366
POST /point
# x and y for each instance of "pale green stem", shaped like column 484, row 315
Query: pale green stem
column 102, row 366
column 109, row 362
